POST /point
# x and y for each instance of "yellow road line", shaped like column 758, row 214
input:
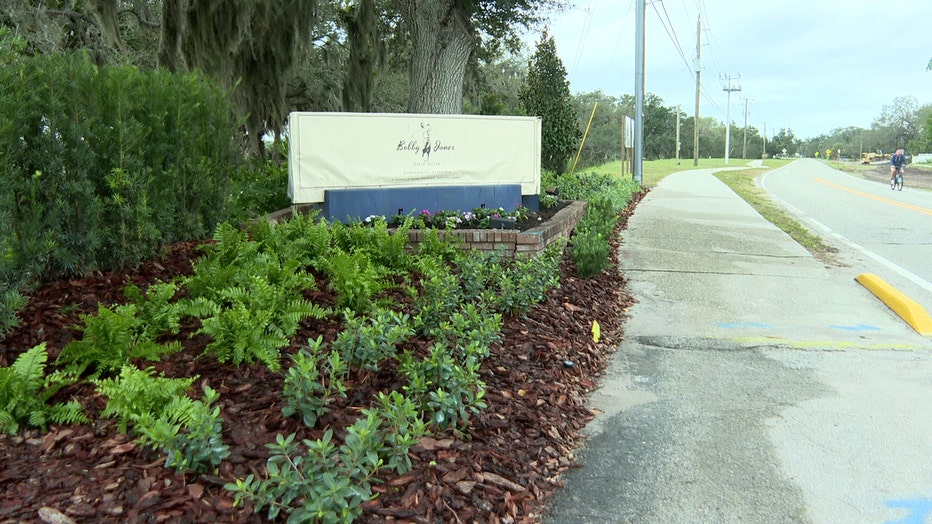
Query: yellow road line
column 923, row 210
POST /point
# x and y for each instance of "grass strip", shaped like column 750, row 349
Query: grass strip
column 743, row 183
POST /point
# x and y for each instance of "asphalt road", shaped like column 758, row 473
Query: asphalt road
column 885, row 232
column 755, row 384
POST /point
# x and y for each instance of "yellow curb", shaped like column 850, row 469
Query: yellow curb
column 906, row 308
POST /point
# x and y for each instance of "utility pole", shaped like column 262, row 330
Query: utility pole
column 698, row 74
column 677, row 135
column 763, row 139
column 744, row 152
column 638, row 169
column 731, row 84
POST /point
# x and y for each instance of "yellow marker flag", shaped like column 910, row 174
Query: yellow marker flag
column 596, row 331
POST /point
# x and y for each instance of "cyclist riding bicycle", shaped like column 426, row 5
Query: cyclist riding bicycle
column 896, row 165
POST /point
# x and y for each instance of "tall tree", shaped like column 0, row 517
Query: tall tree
column 785, row 139
column 362, row 33
column 899, row 122
column 493, row 82
column 110, row 31
column 444, row 33
column 547, row 94
column 250, row 45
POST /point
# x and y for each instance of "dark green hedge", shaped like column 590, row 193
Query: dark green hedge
column 101, row 166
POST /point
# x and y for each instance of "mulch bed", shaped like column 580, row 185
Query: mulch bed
column 503, row 469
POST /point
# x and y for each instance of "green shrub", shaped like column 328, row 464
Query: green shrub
column 590, row 252
column 306, row 392
column 590, row 186
column 591, row 248
column 260, row 187
column 525, row 281
column 100, row 166
column 366, row 342
column 444, row 389
column 439, row 296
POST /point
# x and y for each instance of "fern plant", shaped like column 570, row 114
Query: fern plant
column 241, row 336
column 137, row 392
column 249, row 300
column 111, row 339
column 25, row 391
column 253, row 322
column 155, row 309
column 223, row 263
column 304, row 238
column 355, row 278
column 158, row 411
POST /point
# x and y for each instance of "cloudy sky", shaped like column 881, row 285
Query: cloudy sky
column 810, row 66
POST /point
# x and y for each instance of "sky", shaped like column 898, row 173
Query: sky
column 809, row 66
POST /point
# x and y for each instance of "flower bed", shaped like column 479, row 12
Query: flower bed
column 509, row 241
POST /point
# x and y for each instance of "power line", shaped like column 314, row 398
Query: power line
column 583, row 38
column 611, row 60
column 671, row 32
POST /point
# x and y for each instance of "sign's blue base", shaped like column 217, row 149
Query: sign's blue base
column 354, row 205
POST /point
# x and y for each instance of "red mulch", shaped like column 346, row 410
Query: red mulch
column 538, row 380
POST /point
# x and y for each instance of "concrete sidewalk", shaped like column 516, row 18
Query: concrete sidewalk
column 703, row 262
column 740, row 349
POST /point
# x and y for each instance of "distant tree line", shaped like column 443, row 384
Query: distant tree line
column 383, row 56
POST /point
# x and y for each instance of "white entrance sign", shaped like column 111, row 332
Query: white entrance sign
column 336, row 151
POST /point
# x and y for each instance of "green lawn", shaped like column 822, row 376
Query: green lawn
column 655, row 170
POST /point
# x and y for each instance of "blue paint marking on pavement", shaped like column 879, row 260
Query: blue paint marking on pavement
column 743, row 325
column 919, row 510
column 857, row 328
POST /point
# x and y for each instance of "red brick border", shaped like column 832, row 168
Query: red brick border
column 509, row 241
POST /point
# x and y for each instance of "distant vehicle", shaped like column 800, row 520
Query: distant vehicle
column 879, row 156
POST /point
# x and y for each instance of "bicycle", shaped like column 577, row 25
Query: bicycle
column 897, row 182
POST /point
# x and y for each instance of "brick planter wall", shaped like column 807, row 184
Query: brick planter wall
column 509, row 241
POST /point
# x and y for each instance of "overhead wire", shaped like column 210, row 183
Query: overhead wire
column 621, row 32
column 583, row 38
column 669, row 28
column 671, row 33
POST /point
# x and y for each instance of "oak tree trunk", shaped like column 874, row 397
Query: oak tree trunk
column 442, row 40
